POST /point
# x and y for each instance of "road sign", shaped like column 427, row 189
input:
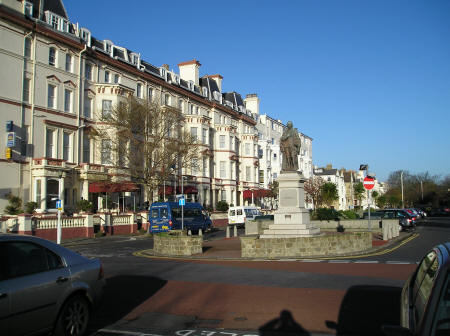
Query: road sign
column 369, row 182
column 58, row 205
column 10, row 139
column 182, row 201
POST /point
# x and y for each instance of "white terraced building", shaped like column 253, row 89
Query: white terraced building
column 56, row 78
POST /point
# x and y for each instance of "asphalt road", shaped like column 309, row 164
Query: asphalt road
column 204, row 298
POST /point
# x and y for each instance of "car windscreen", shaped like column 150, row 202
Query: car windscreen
column 188, row 213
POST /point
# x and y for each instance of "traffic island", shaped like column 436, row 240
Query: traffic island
column 177, row 244
column 323, row 245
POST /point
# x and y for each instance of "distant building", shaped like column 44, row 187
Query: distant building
column 336, row 176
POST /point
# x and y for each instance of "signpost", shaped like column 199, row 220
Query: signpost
column 58, row 228
column 369, row 183
column 182, row 202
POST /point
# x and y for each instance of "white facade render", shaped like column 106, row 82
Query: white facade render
column 336, row 176
column 57, row 79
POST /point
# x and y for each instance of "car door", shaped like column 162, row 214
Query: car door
column 4, row 293
column 37, row 283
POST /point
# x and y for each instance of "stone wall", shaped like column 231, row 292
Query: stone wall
column 258, row 226
column 323, row 245
column 176, row 245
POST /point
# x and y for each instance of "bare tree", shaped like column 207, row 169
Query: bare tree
column 146, row 142
column 313, row 191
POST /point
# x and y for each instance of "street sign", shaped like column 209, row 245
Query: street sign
column 58, row 205
column 182, row 201
column 369, row 182
column 10, row 139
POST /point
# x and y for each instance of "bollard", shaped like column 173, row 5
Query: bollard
column 385, row 231
column 200, row 233
column 391, row 231
column 189, row 233
column 235, row 231
column 228, row 231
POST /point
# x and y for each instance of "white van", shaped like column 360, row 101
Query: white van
column 239, row 215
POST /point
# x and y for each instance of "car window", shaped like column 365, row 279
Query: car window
column 232, row 212
column 248, row 212
column 155, row 213
column 423, row 284
column 164, row 212
column 239, row 212
column 25, row 258
column 54, row 261
column 441, row 324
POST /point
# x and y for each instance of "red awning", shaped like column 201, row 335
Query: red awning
column 102, row 186
column 186, row 190
column 189, row 190
column 168, row 190
column 257, row 193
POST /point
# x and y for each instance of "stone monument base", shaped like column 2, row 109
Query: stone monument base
column 291, row 219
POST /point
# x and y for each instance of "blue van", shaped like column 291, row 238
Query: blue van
column 165, row 216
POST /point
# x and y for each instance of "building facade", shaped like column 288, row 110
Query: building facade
column 336, row 176
column 58, row 79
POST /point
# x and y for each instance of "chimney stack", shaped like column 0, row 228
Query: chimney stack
column 252, row 102
column 189, row 71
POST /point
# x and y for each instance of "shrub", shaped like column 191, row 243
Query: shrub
column 84, row 205
column 326, row 214
column 30, row 207
column 222, row 206
column 15, row 205
column 350, row 214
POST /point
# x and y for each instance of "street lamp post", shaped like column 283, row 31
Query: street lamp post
column 401, row 181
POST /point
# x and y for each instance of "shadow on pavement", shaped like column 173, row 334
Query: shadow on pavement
column 283, row 325
column 364, row 309
column 121, row 295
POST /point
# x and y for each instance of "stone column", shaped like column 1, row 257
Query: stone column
column 85, row 189
column 25, row 224
column 44, row 194
column 89, row 225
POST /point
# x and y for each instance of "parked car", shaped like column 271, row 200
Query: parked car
column 406, row 221
column 425, row 299
column 45, row 287
column 166, row 216
column 239, row 215
column 413, row 212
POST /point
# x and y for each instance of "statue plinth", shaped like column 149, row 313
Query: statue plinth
column 291, row 219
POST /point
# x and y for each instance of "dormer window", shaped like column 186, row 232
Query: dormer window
column 107, row 45
column 191, row 85
column 134, row 58
column 205, row 91
column 28, row 8
column 57, row 22
column 175, row 78
column 216, row 95
column 85, row 35
column 163, row 73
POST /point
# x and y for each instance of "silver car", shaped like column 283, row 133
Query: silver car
column 45, row 287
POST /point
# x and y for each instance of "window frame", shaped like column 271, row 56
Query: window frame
column 52, row 56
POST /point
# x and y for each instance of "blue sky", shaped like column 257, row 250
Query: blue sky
column 369, row 81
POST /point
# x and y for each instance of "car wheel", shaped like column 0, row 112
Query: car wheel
column 73, row 318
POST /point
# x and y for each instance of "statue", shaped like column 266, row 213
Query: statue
column 290, row 148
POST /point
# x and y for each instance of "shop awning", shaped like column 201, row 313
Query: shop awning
column 167, row 189
column 110, row 187
column 257, row 193
column 186, row 190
